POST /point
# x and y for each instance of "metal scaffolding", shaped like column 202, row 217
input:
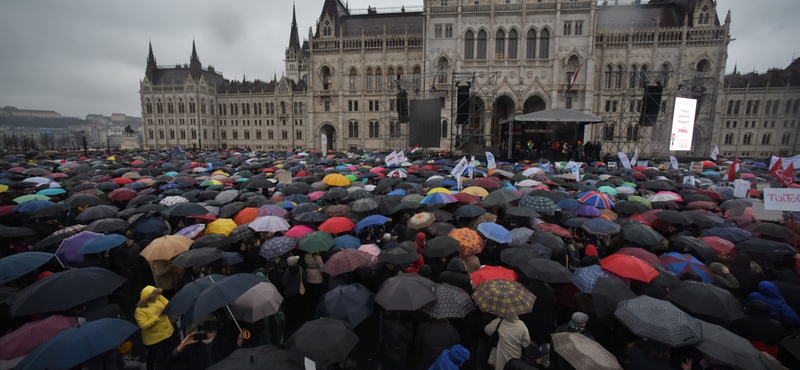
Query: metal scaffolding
column 474, row 136
column 394, row 133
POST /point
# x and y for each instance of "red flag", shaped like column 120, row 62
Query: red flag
column 573, row 79
column 733, row 169
column 777, row 166
column 786, row 176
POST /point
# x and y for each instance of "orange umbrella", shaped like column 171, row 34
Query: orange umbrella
column 488, row 273
column 336, row 225
column 469, row 242
column 246, row 215
column 630, row 267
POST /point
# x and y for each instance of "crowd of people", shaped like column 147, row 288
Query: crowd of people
column 556, row 150
column 226, row 260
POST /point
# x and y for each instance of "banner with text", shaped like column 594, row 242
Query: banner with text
column 625, row 161
column 777, row 199
column 683, row 124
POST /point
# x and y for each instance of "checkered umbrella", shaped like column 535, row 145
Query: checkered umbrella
column 450, row 302
column 585, row 278
column 24, row 340
column 469, row 242
column 495, row 232
column 274, row 247
column 659, row 321
column 539, row 204
column 241, row 233
column 503, row 298
column 601, row 227
column 520, row 235
column 345, row 261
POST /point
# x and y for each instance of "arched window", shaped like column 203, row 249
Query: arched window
column 326, row 78
column 729, row 138
column 618, row 78
column 608, row 133
column 151, row 134
column 544, row 44
column 786, row 139
column 665, row 70
column 247, row 134
column 284, row 135
column 469, row 45
column 643, row 75
column 608, row 76
column 633, row 76
column 442, row 69
column 258, row 134
column 444, row 129
column 737, row 106
column 183, row 134
column 352, row 129
column 530, row 45
column 148, row 106
column 769, row 107
column 159, row 106
column 755, row 106
column 298, row 134
column 749, row 108
column 370, row 79
column 795, row 106
column 353, row 75
column 775, row 107
column 205, row 134
column 512, row 44
column 481, row 45
column 213, row 135
column 283, row 108
column 270, row 135
column 765, row 139
column 632, row 133
column 161, row 134
column 500, row 45
column 172, row 134
column 378, row 78
column 730, row 107
column 235, row 134
column 416, row 70
column 747, row 139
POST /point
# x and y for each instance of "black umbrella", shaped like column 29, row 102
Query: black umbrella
column 699, row 247
column 733, row 203
column 724, row 346
column 549, row 240
column 261, row 357
column 630, row 207
column 82, row 200
column 405, row 292
column 197, row 257
column 770, row 229
column 546, row 270
column 352, row 303
column 440, row 246
column 607, row 293
column 141, row 199
column 500, row 198
column 64, row 290
column 49, row 211
column 641, row 234
column 51, row 241
column 107, row 225
column 706, row 301
column 211, row 241
column 310, row 217
column 183, row 300
column 772, row 249
column 305, row 207
column 15, row 232
column 518, row 256
column 468, row 211
column 219, row 295
column 441, row 228
column 184, row 210
column 673, row 217
column 148, row 227
column 522, row 212
column 403, row 253
column 96, row 213
column 659, row 321
column 325, row 341
column 230, row 210
column 699, row 219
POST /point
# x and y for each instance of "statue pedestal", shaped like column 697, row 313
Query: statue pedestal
column 129, row 143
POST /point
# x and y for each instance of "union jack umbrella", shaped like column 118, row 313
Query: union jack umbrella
column 596, row 199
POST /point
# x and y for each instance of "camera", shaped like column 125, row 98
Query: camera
column 200, row 336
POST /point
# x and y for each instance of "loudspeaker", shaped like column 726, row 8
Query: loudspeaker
column 463, row 103
column 402, row 106
column 651, row 105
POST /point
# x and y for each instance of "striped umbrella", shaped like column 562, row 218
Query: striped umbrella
column 680, row 263
column 438, row 198
column 596, row 199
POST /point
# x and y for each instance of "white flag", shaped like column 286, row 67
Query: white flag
column 472, row 167
column 625, row 161
column 460, row 167
column 715, row 152
column 490, row 163
column 635, row 156
column 674, row 162
column 573, row 167
column 324, row 142
column 401, row 157
column 391, row 159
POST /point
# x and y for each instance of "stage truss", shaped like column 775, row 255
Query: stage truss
column 473, row 137
column 393, row 133
column 622, row 132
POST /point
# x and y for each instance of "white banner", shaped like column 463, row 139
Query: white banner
column 674, row 162
column 460, row 167
column 391, row 159
column 635, row 158
column 471, row 167
column 786, row 161
column 715, row 152
column 324, row 143
column 573, row 167
column 490, row 163
column 683, row 124
column 688, row 180
column 625, row 161
column 401, row 157
column 778, row 199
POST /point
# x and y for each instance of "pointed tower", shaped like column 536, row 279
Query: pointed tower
column 293, row 51
column 294, row 36
column 195, row 68
column 150, row 72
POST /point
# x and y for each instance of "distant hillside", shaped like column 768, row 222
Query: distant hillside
column 41, row 122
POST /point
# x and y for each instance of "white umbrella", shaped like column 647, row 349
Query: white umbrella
column 532, row 171
column 257, row 303
column 38, row 180
column 269, row 224
column 528, row 183
column 173, row 200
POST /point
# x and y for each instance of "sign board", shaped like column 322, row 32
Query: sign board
column 696, row 167
column 285, row 177
column 740, row 188
column 683, row 124
column 759, row 213
column 641, row 163
column 761, row 186
column 778, row 199
column 612, row 165
column 688, row 180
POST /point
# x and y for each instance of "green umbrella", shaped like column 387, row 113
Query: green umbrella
column 30, row 197
column 318, row 241
column 636, row 198
column 608, row 190
column 351, row 177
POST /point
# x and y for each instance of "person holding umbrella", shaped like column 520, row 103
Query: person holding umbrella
column 201, row 349
column 513, row 336
column 157, row 330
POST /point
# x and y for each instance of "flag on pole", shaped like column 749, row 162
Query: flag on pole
column 471, row 167
column 786, row 176
column 415, row 149
column 574, row 78
column 635, row 157
column 778, row 165
column 573, row 167
column 391, row 159
column 490, row 162
column 733, row 169
column 625, row 161
column 715, row 152
column 674, row 162
column 544, row 166
column 401, row 157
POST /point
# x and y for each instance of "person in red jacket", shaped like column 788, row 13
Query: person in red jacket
column 416, row 265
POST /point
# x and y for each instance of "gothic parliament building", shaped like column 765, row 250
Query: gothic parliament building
column 521, row 55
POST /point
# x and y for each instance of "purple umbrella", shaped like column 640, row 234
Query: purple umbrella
column 272, row 210
column 67, row 253
column 191, row 231
column 586, row 210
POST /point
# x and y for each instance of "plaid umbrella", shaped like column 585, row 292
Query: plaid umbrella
column 469, row 242
column 601, row 227
column 659, row 321
column 450, row 302
column 345, row 261
column 241, row 233
column 520, row 235
column 555, row 229
column 583, row 353
column 503, row 298
column 540, row 204
column 25, row 339
column 585, row 278
column 495, row 232
column 596, row 199
column 276, row 246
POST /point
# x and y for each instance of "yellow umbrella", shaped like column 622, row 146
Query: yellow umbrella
column 220, row 172
column 166, row 247
column 475, row 190
column 439, row 190
column 336, row 179
column 222, row 226
column 112, row 158
column 3, row 188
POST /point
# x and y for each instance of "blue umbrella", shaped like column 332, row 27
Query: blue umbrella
column 352, row 303
column 600, row 226
column 148, row 228
column 569, row 203
column 438, row 198
column 585, row 278
column 495, row 232
column 732, row 234
column 397, row 192
column 298, row 198
column 346, row 241
column 170, row 186
column 67, row 253
column 101, row 244
column 32, row 206
column 76, row 345
column 51, row 191
column 20, row 264
column 369, row 221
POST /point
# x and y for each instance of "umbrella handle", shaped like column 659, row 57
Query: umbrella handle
column 245, row 331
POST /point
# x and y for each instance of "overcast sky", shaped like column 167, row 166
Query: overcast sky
column 81, row 57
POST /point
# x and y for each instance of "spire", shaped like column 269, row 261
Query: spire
column 294, row 36
column 244, row 77
column 194, row 53
column 734, row 68
column 150, row 57
column 195, row 68
column 150, row 72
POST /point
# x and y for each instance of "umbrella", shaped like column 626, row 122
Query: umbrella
column 440, row 246
column 149, row 227
column 546, row 270
column 197, row 257
column 770, row 229
column 325, row 341
column 364, row 205
column 641, row 254
column 122, row 195
column 629, row 267
column 19, row 264
column 706, row 301
column 421, row 221
column 522, row 212
column 450, row 302
column 222, row 226
column 680, row 263
column 596, row 199
column 105, row 225
column 699, row 247
column 67, row 253
column 219, row 295
column 469, row 211
column 607, row 293
column 22, row 341
column 256, row 303
column 183, row 300
column 64, row 290
column 269, row 224
column 539, row 204
column 405, row 292
column 489, row 273
column 32, row 206
column 14, row 232
column 256, row 358
column 500, row 198
column 583, row 353
column 183, row 209
column 585, row 278
column 469, row 242
column 276, row 246
column 336, row 225
column 101, row 244
column 370, row 221
column 82, row 200
column 724, row 346
column 659, row 321
column 503, row 298
column 76, row 345
column 642, row 235
column 673, row 217
column 336, row 179
column 96, row 213
column 518, row 256
column 495, row 232
column 554, row 229
column 346, row 241
column 345, row 261
column 298, row 231
column 30, row 197
column 600, row 227
column 166, row 247
column 315, row 242
column 732, row 234
column 631, row 207
column 772, row 249
column 352, row 303
column 273, row 210
column 404, row 253
column 586, row 210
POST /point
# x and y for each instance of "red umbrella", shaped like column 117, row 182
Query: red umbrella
column 7, row 210
column 122, row 194
column 466, row 198
column 721, row 246
column 630, row 267
column 336, row 225
column 298, row 231
column 205, row 217
column 708, row 164
column 487, row 183
column 24, row 340
column 57, row 175
column 642, row 255
column 639, row 168
column 488, row 273
column 122, row 181
column 711, row 194
column 345, row 261
column 639, row 176
column 555, row 229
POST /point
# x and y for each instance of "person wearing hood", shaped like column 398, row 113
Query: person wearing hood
column 723, row 277
column 513, row 337
column 787, row 283
column 759, row 328
column 156, row 328
column 451, row 359
column 779, row 310
column 533, row 358
column 747, row 278
column 456, row 275
column 416, row 265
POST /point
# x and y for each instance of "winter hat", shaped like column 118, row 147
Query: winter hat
column 292, row 261
column 534, row 352
column 580, row 318
column 591, row 250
